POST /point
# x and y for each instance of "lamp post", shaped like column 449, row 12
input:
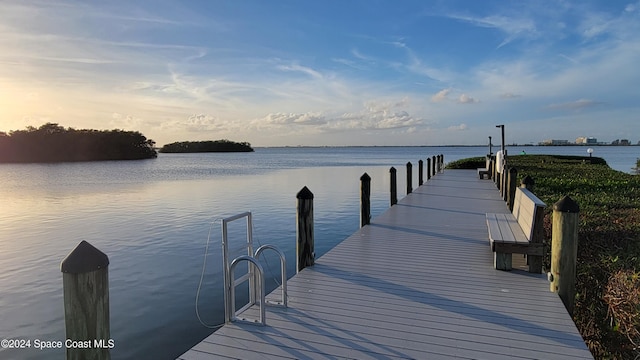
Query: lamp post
column 502, row 129
column 590, row 151
column 504, row 153
column 490, row 150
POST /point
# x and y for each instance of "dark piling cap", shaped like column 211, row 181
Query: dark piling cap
column 392, row 170
column 83, row 259
column 566, row 204
column 409, row 164
column 305, row 193
column 365, row 177
column 528, row 181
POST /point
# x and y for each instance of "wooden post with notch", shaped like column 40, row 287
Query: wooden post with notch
column 365, row 199
column 85, row 283
column 564, row 250
column 420, row 172
column 428, row 169
column 305, row 250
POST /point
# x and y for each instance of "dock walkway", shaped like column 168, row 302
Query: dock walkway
column 417, row 283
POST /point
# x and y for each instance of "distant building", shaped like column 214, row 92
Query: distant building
column 555, row 142
column 583, row 140
column 623, row 142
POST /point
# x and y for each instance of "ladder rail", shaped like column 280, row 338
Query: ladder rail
column 226, row 263
column 254, row 275
column 283, row 272
column 260, row 288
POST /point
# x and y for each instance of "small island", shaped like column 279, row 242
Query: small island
column 206, row 146
column 53, row 143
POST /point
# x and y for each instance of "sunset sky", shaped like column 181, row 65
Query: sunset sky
column 327, row 72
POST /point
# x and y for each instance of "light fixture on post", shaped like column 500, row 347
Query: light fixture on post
column 590, row 151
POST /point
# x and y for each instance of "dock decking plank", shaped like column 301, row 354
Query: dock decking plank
column 418, row 282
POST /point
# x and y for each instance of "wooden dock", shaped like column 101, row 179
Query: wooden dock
column 417, row 283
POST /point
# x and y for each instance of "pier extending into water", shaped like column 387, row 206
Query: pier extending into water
column 417, row 282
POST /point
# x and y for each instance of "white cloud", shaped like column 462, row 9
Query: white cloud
column 127, row 122
column 303, row 69
column 440, row 95
column 466, row 99
column 575, row 105
column 294, row 119
column 512, row 27
column 460, row 127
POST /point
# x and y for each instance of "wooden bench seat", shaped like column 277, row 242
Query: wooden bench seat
column 485, row 170
column 518, row 232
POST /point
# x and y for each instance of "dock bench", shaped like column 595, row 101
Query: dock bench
column 485, row 170
column 518, row 232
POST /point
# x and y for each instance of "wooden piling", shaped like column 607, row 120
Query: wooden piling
column 564, row 250
column 433, row 164
column 409, row 178
column 492, row 171
column 428, row 169
column 512, row 176
column 420, row 172
column 527, row 183
column 85, row 282
column 365, row 199
column 504, row 186
column 535, row 261
column 393, row 187
column 304, row 230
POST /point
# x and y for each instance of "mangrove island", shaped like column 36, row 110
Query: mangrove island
column 53, row 143
column 206, row 146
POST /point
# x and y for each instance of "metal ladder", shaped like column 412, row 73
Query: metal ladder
column 254, row 275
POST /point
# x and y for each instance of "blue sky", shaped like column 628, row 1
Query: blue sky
column 325, row 72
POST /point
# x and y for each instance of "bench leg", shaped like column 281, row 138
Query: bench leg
column 502, row 261
column 535, row 264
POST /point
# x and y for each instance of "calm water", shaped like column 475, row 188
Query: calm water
column 152, row 218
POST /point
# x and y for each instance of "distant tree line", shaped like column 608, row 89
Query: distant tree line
column 206, row 146
column 53, row 143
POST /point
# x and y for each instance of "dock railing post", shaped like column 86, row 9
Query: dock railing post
column 85, row 282
column 527, row 183
column 493, row 169
column 420, row 172
column 409, row 178
column 433, row 164
column 504, row 188
column 511, row 188
column 428, row 169
column 304, row 230
column 564, row 250
column 365, row 199
column 393, row 188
